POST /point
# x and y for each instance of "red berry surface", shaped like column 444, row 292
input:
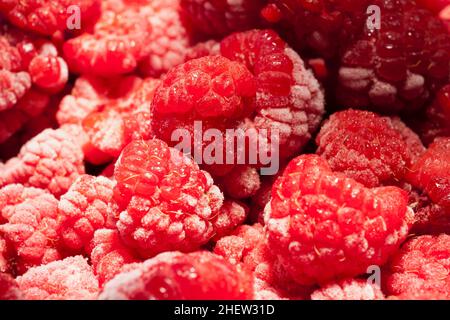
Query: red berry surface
column 366, row 147
column 167, row 201
column 175, row 276
column 353, row 289
column 9, row 290
column 324, row 226
column 421, row 269
column 68, row 279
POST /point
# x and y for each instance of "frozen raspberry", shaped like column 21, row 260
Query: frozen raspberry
column 364, row 146
column 241, row 182
column 4, row 257
column 109, row 254
column 323, row 226
column 9, row 289
column 246, row 248
column 431, row 172
column 13, row 195
column 222, row 17
column 353, row 289
column 168, row 201
column 84, row 209
column 12, row 87
column 274, row 93
column 177, row 276
column 116, row 44
column 396, row 67
column 31, row 231
column 202, row 49
column 170, row 37
column 51, row 160
column 48, row 17
column 231, row 215
column 414, row 145
column 421, row 268
column 68, row 279
column 430, row 218
column 435, row 122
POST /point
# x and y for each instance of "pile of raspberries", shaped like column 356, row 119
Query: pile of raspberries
column 98, row 202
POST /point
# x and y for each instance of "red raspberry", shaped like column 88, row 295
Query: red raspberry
column 4, row 257
column 12, row 87
column 9, row 289
column 231, row 215
column 222, row 17
column 30, row 106
column 323, row 226
column 47, row 17
column 31, row 231
column 168, row 201
column 108, row 254
column 421, row 268
column 353, row 289
column 365, row 146
column 116, row 44
column 431, row 172
column 415, row 147
column 177, row 276
column 84, row 209
column 430, row 218
column 394, row 68
column 169, row 40
column 281, row 95
column 435, row 122
column 68, row 279
column 51, row 160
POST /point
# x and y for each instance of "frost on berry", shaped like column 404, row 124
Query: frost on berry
column 9, row 289
column 167, row 201
column 221, row 17
column 116, row 44
column 231, row 215
column 178, row 276
column 349, row 289
column 324, row 226
column 48, row 17
column 5, row 266
column 83, row 210
column 31, row 231
column 367, row 147
column 52, row 160
column 421, row 269
column 110, row 115
column 169, row 40
column 108, row 254
column 68, row 279
column 258, row 83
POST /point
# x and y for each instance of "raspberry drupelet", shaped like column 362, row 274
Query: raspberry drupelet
column 68, row 279
column 166, row 201
column 420, row 270
column 349, row 289
column 256, row 84
column 177, row 276
column 371, row 149
column 9, row 289
column 324, row 226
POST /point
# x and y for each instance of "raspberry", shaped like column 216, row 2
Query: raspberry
column 108, row 254
column 391, row 69
column 241, row 182
column 364, row 146
column 31, row 231
column 168, row 201
column 415, row 147
column 4, row 257
column 434, row 123
column 353, row 289
column 9, row 289
column 430, row 218
column 12, row 87
column 117, row 42
column 177, row 276
column 30, row 106
column 68, row 279
column 231, row 215
column 281, row 95
column 222, row 17
column 421, row 268
column 169, row 40
column 323, row 226
column 51, row 161
column 431, row 172
column 47, row 17
column 84, row 209
column 13, row 195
